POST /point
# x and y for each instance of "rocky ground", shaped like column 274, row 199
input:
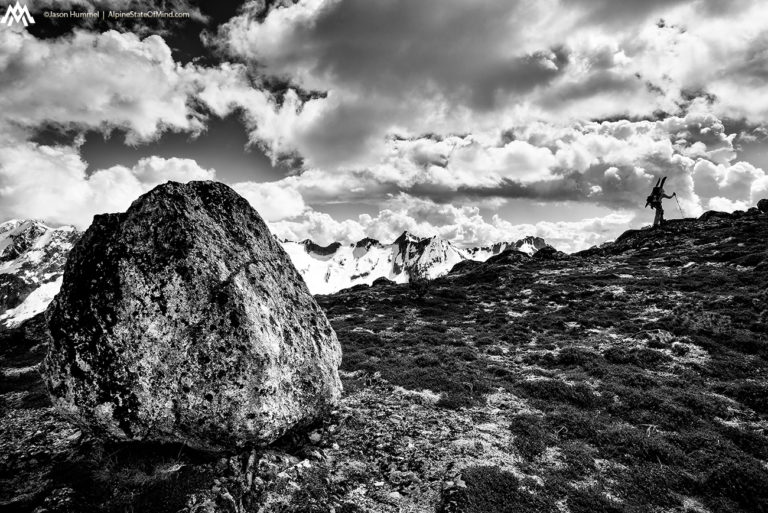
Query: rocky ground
column 630, row 377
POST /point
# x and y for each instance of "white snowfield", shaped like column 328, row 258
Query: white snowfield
column 35, row 303
column 36, row 253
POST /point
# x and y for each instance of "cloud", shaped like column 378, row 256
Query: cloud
column 96, row 81
column 318, row 227
column 398, row 67
column 463, row 225
column 612, row 164
column 104, row 81
column 726, row 205
column 735, row 182
column 60, row 192
column 153, row 171
column 273, row 201
column 393, row 64
column 383, row 46
column 759, row 190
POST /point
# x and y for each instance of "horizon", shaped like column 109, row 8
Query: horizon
column 305, row 241
column 339, row 122
column 405, row 232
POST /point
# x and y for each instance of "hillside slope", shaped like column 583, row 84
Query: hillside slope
column 630, row 377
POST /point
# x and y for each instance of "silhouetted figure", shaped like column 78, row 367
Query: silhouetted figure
column 654, row 201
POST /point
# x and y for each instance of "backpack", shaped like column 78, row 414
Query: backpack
column 655, row 196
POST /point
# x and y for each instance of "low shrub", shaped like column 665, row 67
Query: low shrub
column 742, row 480
column 749, row 393
column 641, row 357
column 555, row 390
column 531, row 435
column 492, row 490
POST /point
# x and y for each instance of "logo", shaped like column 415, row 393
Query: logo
column 18, row 14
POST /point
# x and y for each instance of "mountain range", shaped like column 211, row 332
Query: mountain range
column 335, row 267
column 32, row 258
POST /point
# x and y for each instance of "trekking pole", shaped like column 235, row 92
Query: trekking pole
column 679, row 207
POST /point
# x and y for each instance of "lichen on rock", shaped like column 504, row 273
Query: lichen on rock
column 183, row 320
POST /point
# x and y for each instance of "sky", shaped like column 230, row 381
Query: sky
column 478, row 121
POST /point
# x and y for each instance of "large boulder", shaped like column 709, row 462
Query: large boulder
column 183, row 320
column 762, row 205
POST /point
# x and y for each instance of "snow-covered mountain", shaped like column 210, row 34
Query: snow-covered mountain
column 332, row 268
column 32, row 257
column 528, row 245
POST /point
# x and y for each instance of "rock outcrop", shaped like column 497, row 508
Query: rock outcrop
column 183, row 320
column 762, row 205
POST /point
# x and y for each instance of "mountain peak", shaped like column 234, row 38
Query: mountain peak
column 32, row 257
column 367, row 243
column 530, row 244
column 20, row 225
column 407, row 237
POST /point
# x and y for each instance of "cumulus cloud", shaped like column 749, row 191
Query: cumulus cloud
column 726, row 205
column 738, row 181
column 273, row 201
column 117, row 80
column 759, row 190
column 611, row 164
column 392, row 65
column 94, row 80
column 395, row 65
column 153, row 171
column 60, row 191
column 318, row 227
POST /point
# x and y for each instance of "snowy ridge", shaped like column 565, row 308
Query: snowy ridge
column 528, row 245
column 32, row 258
column 331, row 268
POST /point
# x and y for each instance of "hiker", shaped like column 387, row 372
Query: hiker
column 654, row 201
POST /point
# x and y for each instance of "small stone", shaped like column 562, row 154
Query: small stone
column 315, row 437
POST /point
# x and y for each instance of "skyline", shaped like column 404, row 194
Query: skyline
column 340, row 120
